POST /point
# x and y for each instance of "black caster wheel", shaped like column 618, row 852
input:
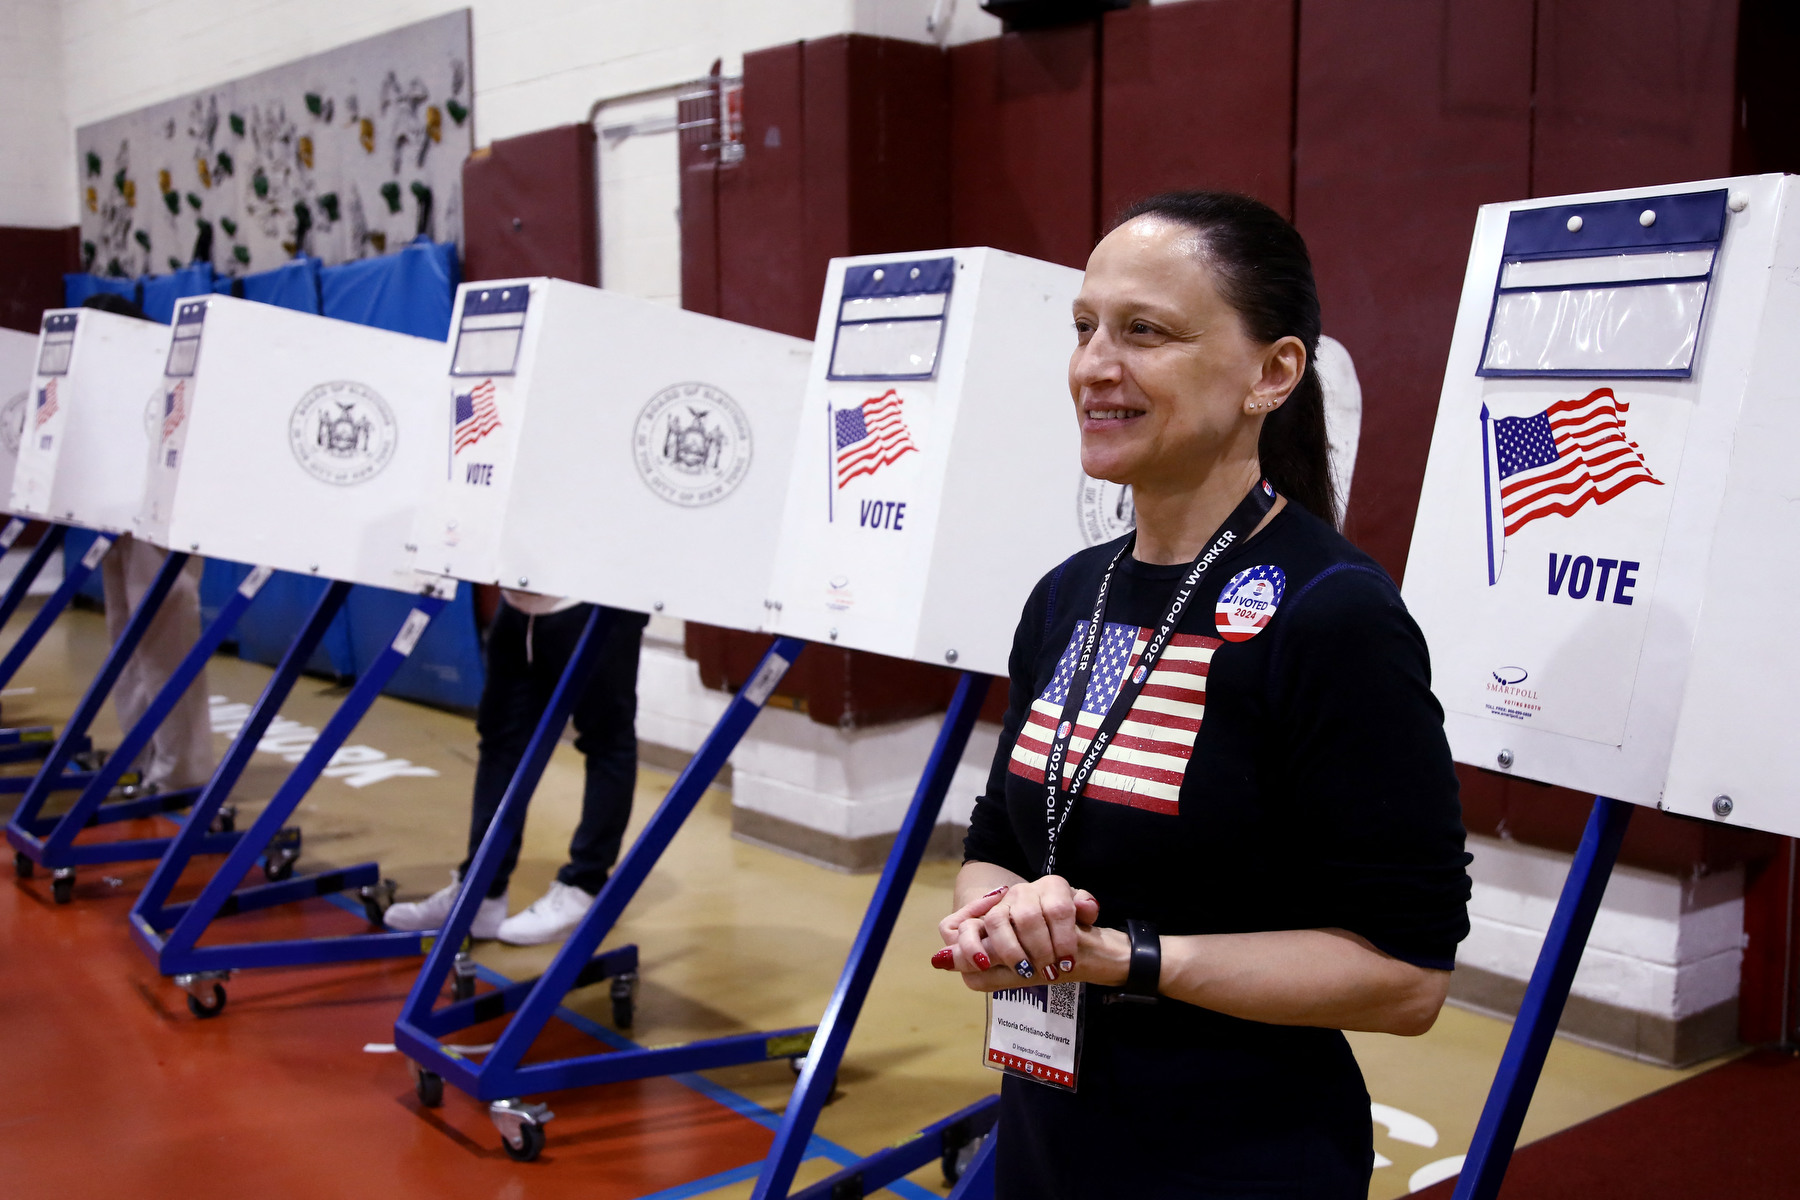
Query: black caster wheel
column 206, row 1011
column 23, row 867
column 429, row 1087
column 531, row 1144
column 62, row 890
column 226, row 821
column 282, row 852
column 624, row 1011
column 462, row 987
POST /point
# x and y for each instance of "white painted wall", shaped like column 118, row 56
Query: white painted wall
column 1660, row 945
column 37, row 145
column 65, row 64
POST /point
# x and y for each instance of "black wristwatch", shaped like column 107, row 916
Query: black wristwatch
column 1143, row 977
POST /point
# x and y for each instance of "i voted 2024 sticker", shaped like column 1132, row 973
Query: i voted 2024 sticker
column 1248, row 602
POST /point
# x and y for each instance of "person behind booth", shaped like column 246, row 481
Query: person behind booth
column 530, row 643
column 1254, row 841
column 180, row 753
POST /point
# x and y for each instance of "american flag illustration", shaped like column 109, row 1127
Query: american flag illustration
column 476, row 416
column 1145, row 764
column 46, row 403
column 1572, row 454
column 174, row 408
column 869, row 436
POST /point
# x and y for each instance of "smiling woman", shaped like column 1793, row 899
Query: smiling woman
column 1222, row 803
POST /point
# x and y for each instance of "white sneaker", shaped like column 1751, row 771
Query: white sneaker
column 549, row 919
column 431, row 912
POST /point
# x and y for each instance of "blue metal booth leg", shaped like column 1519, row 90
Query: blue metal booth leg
column 500, row 1076
column 171, row 932
column 817, row 1077
column 50, row 842
column 1523, row 1060
column 59, row 599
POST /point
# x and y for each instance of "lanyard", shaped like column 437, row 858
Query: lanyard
column 1060, row 802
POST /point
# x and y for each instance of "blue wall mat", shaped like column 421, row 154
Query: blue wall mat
column 270, row 625
column 162, row 291
column 218, row 579
column 444, row 668
column 75, row 544
column 294, row 284
column 77, row 288
column 409, row 292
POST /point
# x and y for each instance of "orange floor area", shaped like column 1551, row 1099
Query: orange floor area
column 110, row 1088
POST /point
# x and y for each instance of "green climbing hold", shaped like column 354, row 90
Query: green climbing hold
column 390, row 191
column 173, row 200
column 142, row 239
column 241, row 253
column 193, row 201
column 458, row 112
column 229, row 226
column 93, row 163
column 237, row 124
column 328, row 203
column 315, row 104
column 259, row 183
column 224, row 166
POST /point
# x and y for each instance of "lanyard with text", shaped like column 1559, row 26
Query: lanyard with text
column 1060, row 801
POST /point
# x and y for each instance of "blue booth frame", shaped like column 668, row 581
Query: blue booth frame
column 40, row 841
column 170, row 933
column 818, row 1051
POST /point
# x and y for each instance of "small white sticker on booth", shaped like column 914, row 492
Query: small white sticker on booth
column 96, row 552
column 762, row 685
column 11, row 533
column 411, row 631
column 253, row 582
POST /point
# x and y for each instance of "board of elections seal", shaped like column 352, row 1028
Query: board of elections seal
column 12, row 422
column 343, row 433
column 1248, row 601
column 692, row 444
column 1105, row 510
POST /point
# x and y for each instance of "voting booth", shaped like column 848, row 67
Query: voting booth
column 599, row 446
column 1599, row 561
column 940, row 385
column 301, row 443
column 291, row 441
column 85, row 433
column 18, row 362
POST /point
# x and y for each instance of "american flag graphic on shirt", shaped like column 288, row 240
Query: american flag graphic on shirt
column 476, row 416
column 870, row 436
column 1147, row 760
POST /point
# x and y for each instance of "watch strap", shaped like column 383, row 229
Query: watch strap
column 1143, row 975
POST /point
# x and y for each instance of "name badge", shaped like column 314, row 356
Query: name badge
column 1035, row 1032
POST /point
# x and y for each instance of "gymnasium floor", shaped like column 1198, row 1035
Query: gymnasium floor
column 109, row 1088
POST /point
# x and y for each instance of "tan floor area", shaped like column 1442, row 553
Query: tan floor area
column 735, row 937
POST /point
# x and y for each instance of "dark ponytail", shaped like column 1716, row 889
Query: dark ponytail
column 1266, row 275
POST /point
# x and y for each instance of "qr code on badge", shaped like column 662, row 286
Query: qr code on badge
column 1062, row 1000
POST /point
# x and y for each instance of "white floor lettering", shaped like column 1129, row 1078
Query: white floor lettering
column 358, row 766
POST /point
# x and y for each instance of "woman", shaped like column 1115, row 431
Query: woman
column 1265, row 846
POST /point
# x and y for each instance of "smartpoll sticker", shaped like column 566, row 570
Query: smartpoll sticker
column 1035, row 1032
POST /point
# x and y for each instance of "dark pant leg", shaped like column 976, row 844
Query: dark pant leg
column 508, row 712
column 606, row 735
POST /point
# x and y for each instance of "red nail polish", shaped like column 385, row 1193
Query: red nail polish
column 944, row 959
column 982, row 961
column 1067, row 965
column 997, row 890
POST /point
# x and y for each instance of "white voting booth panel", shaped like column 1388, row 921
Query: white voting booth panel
column 1602, row 561
column 292, row 441
column 82, row 453
column 937, row 475
column 18, row 361
column 604, row 447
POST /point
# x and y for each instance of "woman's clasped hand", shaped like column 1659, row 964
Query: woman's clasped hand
column 1031, row 932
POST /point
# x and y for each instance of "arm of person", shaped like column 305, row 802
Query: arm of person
column 1325, row 977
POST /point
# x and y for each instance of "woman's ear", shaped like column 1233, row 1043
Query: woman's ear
column 1283, row 366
